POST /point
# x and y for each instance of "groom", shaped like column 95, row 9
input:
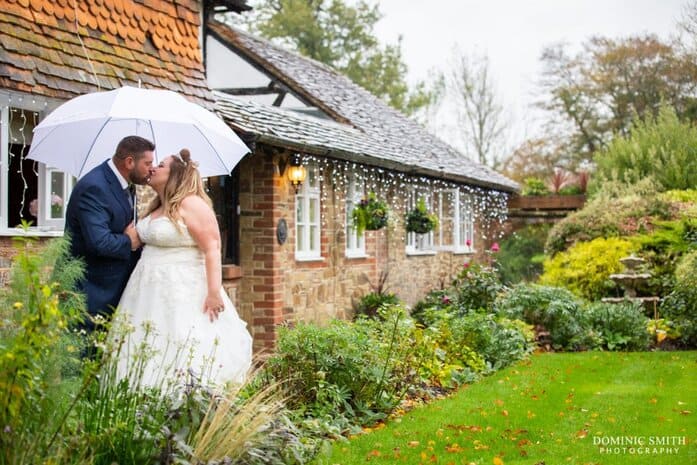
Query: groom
column 99, row 220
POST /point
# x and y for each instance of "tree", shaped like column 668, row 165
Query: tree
column 341, row 36
column 479, row 113
column 533, row 158
column 597, row 93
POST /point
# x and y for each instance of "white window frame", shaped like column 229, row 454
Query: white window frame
column 45, row 217
column 420, row 244
column 45, row 226
column 355, row 243
column 308, row 229
column 463, row 223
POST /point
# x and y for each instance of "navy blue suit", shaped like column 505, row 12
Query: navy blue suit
column 98, row 212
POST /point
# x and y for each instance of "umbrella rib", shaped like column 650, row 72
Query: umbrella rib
column 94, row 141
column 212, row 148
column 38, row 144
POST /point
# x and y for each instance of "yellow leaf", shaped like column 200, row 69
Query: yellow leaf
column 653, row 400
column 413, row 443
column 453, row 448
column 497, row 461
column 504, row 413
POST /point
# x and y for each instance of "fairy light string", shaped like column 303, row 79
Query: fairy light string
column 488, row 207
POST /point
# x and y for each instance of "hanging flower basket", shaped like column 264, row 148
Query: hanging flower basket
column 370, row 214
column 419, row 220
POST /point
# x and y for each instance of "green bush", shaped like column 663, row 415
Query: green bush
column 680, row 306
column 534, row 186
column 339, row 369
column 660, row 147
column 35, row 347
column 553, row 308
column 369, row 304
column 615, row 211
column 618, row 326
column 586, row 267
column 522, row 253
column 499, row 340
column 476, row 286
column 663, row 247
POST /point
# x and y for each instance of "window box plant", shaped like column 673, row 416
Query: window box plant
column 420, row 220
column 370, row 214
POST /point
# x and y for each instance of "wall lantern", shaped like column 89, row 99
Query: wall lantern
column 295, row 171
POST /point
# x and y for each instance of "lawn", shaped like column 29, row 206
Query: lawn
column 574, row 408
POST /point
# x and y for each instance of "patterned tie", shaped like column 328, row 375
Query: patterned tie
column 131, row 194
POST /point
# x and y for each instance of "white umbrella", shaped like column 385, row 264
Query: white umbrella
column 84, row 131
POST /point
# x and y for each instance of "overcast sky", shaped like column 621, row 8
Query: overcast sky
column 513, row 33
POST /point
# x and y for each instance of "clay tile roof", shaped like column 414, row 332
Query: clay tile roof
column 154, row 41
column 390, row 134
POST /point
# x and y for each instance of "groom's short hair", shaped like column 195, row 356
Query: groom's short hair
column 133, row 146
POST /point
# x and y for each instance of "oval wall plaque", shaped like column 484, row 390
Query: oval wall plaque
column 281, row 231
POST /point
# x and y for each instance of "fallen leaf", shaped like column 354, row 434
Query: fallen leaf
column 581, row 433
column 497, row 461
column 413, row 443
column 685, row 412
column 454, row 448
column 504, row 413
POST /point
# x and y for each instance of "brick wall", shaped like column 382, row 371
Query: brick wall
column 276, row 288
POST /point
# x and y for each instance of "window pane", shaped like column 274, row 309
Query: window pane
column 313, row 239
column 299, row 216
column 57, row 194
column 314, row 216
column 300, row 239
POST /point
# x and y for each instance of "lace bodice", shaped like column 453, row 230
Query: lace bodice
column 161, row 232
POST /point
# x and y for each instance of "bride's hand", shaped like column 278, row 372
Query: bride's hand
column 213, row 306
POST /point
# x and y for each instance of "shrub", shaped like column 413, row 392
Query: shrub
column 586, row 267
column 554, row 308
column 369, row 304
column 522, row 253
column 617, row 210
column 35, row 345
column 663, row 248
column 476, row 286
column 534, row 186
column 499, row 340
column 680, row 306
column 339, row 370
column 661, row 147
column 618, row 326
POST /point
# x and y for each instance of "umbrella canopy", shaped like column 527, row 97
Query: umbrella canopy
column 84, row 131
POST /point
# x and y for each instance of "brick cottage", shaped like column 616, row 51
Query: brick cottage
column 290, row 252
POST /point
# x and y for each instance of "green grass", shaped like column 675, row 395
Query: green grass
column 551, row 409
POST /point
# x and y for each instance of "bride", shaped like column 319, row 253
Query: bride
column 174, row 300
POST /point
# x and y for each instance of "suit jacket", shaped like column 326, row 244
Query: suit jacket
column 97, row 214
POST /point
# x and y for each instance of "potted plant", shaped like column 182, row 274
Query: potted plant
column 370, row 214
column 419, row 220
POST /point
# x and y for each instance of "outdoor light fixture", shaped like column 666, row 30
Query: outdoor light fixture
column 296, row 172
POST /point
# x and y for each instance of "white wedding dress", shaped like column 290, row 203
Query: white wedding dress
column 163, row 304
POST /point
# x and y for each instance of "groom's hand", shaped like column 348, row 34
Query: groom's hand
column 132, row 234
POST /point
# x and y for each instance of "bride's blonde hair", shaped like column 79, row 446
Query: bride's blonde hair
column 184, row 180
